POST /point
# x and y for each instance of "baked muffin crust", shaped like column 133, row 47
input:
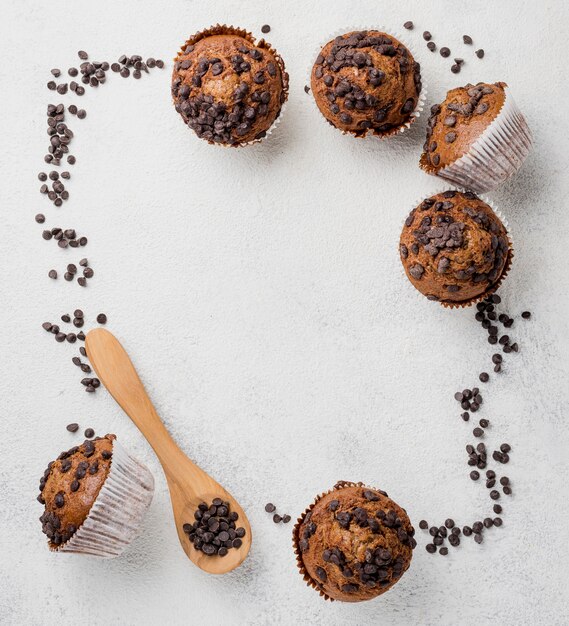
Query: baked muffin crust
column 366, row 81
column 456, row 123
column 70, row 485
column 226, row 88
column 354, row 543
column 454, row 248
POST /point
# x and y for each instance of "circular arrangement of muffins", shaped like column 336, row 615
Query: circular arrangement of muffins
column 354, row 542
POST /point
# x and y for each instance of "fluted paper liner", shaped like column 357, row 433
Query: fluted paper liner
column 223, row 29
column 420, row 99
column 310, row 582
column 493, row 288
column 496, row 155
column 115, row 518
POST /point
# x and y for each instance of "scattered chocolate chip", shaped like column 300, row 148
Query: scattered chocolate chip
column 89, row 433
column 214, row 530
column 102, row 318
column 408, row 25
column 467, row 40
column 265, row 29
column 73, row 427
column 427, row 36
column 270, row 508
column 480, row 53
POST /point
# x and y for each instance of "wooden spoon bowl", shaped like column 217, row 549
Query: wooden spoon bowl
column 189, row 485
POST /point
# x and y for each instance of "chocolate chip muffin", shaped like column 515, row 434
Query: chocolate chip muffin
column 354, row 543
column 454, row 248
column 70, row 485
column 95, row 497
column 366, row 82
column 458, row 122
column 228, row 89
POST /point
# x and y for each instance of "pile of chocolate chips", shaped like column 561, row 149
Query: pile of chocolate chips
column 90, row 384
column 215, row 531
column 470, row 402
column 444, row 51
column 277, row 519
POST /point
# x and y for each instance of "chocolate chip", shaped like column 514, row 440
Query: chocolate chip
column 526, row 315
column 89, row 433
column 484, row 377
column 102, row 318
column 265, row 29
column 480, row 53
column 467, row 39
column 427, row 36
column 270, row 508
column 277, row 518
column 455, row 69
column 445, row 52
column 432, row 46
column 408, row 25
column 423, row 524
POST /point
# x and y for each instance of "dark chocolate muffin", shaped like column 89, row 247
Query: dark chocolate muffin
column 70, row 485
column 458, row 122
column 228, row 89
column 454, row 248
column 354, row 543
column 366, row 82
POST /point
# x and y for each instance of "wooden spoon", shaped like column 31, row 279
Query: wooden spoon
column 189, row 485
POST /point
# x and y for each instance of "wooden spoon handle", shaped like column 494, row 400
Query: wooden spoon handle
column 117, row 373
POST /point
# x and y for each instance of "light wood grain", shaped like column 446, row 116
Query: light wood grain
column 189, row 485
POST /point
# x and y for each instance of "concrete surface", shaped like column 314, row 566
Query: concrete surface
column 260, row 294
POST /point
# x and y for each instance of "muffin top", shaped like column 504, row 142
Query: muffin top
column 228, row 89
column 366, row 81
column 457, row 123
column 70, row 485
column 454, row 248
column 354, row 543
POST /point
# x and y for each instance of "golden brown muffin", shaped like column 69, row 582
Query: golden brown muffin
column 366, row 81
column 70, row 485
column 227, row 88
column 454, row 248
column 354, row 543
column 457, row 123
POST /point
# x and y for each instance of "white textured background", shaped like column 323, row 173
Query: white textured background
column 259, row 293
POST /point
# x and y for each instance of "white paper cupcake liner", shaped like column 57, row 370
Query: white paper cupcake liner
column 225, row 29
column 496, row 155
column 488, row 292
column 420, row 100
column 115, row 518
